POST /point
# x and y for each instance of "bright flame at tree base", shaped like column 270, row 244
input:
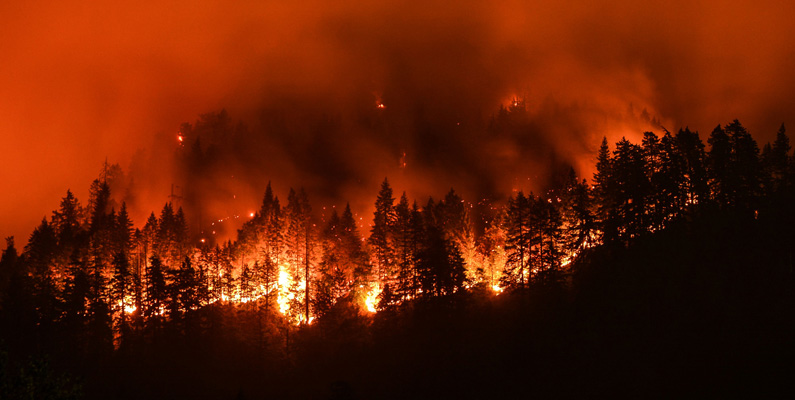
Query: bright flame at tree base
column 284, row 295
column 371, row 301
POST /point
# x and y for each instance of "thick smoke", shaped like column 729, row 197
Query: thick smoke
column 82, row 81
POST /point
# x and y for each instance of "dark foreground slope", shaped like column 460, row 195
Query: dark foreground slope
column 705, row 308
column 692, row 311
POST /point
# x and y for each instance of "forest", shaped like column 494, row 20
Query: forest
column 668, row 272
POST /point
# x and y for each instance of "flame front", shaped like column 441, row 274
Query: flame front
column 284, row 295
column 371, row 300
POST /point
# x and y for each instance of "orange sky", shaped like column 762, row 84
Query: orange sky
column 85, row 80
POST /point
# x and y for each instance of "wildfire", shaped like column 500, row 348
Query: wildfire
column 372, row 299
column 284, row 295
column 128, row 305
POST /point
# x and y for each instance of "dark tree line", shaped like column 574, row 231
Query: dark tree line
column 88, row 280
column 89, row 268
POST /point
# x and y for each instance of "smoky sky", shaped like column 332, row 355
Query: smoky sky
column 84, row 81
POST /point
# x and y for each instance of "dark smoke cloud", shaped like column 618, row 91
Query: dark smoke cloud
column 81, row 81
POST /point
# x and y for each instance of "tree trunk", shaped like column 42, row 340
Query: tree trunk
column 306, row 272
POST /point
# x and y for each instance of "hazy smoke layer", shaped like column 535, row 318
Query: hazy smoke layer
column 81, row 81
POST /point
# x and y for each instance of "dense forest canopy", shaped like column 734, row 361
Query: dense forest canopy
column 91, row 287
column 400, row 200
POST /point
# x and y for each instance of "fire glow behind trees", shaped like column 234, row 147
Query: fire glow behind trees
column 378, row 194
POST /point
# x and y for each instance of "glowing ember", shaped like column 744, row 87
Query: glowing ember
column 497, row 289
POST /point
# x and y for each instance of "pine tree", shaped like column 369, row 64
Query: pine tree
column 547, row 241
column 77, row 294
column 604, row 194
column 719, row 161
column 298, row 248
column 358, row 268
column 333, row 263
column 440, row 266
column 387, row 298
column 455, row 222
column 99, row 330
column 779, row 158
column 577, row 213
column 182, row 290
column 181, row 235
column 778, row 176
column 630, row 190
column 691, row 148
column 518, row 241
column 381, row 240
column 269, row 279
column 781, row 148
column 121, row 288
column 331, row 283
column 343, row 267
column 123, row 235
column 272, row 225
column 66, row 222
column 745, row 168
column 403, row 235
column 247, row 283
column 492, row 246
column 418, row 237
column 41, row 249
column 270, row 215
column 658, row 195
column 167, row 237
column 156, row 297
column 667, row 177
column 223, row 276
column 148, row 240
column 8, row 266
column 99, row 206
column 18, row 319
column 40, row 255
